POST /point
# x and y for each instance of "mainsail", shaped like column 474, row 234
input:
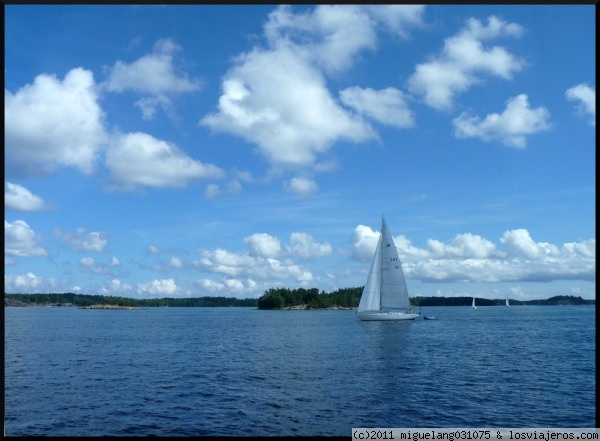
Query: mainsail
column 394, row 293
column 386, row 285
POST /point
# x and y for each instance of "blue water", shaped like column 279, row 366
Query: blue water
column 241, row 371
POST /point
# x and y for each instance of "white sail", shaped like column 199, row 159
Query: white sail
column 474, row 303
column 394, row 293
column 507, row 304
column 385, row 295
column 370, row 299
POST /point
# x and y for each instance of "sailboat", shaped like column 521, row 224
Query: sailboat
column 507, row 304
column 385, row 296
column 474, row 307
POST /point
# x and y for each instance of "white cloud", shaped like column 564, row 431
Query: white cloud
column 263, row 245
column 277, row 97
column 164, row 287
column 154, row 75
column 80, row 241
column 153, row 249
column 278, row 101
column 301, row 187
column 520, row 243
column 586, row 98
column 118, row 288
column 21, row 240
column 364, row 241
column 462, row 62
column 90, row 264
column 398, row 18
column 331, row 34
column 237, row 265
column 140, row 159
column 228, row 286
column 387, row 106
column 463, row 245
column 22, row 283
column 511, row 126
column 17, row 197
column 176, row 262
column 304, row 245
column 472, row 258
column 51, row 124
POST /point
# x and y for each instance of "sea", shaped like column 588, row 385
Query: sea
column 248, row 372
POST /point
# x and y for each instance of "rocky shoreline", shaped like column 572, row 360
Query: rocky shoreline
column 108, row 307
column 305, row 307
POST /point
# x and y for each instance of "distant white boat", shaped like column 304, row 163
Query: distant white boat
column 507, row 304
column 474, row 307
column 385, row 295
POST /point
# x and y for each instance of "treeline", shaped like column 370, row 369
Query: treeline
column 467, row 301
column 70, row 299
column 280, row 298
column 274, row 298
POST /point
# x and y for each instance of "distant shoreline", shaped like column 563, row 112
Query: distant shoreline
column 274, row 299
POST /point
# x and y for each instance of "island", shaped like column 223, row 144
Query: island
column 108, row 307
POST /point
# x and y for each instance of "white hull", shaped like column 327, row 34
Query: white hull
column 373, row 315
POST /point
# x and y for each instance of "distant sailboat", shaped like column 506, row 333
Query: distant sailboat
column 385, row 296
column 507, row 304
column 474, row 307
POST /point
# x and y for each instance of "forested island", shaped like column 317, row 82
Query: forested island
column 274, row 298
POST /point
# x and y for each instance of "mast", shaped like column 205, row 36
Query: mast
column 380, row 244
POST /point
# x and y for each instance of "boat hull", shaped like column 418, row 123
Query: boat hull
column 385, row 316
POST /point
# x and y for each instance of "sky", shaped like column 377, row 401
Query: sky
column 205, row 150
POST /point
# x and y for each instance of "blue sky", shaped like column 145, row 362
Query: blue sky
column 184, row 151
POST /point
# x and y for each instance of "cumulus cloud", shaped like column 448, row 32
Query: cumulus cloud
column 81, row 241
column 18, row 198
column 244, row 265
column 585, row 97
column 511, row 126
column 52, row 123
column 21, row 240
column 387, row 106
column 22, row 283
column 164, row 287
column 228, row 286
column 463, row 61
column 153, row 75
column 92, row 265
column 115, row 286
column 140, row 159
column 301, row 187
column 263, row 245
column 464, row 245
column 364, row 241
column 304, row 246
column 472, row 258
column 276, row 97
column 278, row 101
column 398, row 19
